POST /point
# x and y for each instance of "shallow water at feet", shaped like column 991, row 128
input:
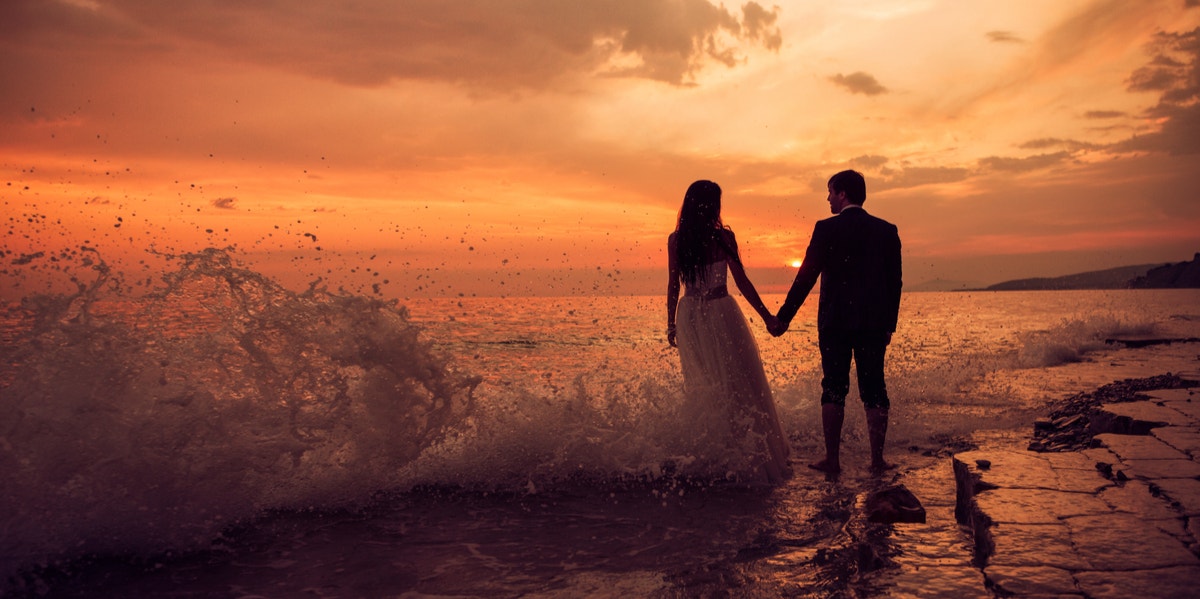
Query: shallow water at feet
column 497, row 447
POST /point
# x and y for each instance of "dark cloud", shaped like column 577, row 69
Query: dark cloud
column 224, row 203
column 869, row 161
column 1054, row 142
column 490, row 43
column 1025, row 164
column 1004, row 37
column 1174, row 69
column 859, row 83
column 1104, row 114
column 1174, row 72
column 914, row 176
column 759, row 24
column 1179, row 135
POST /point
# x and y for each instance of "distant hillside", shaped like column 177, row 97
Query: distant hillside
column 1142, row 276
column 1112, row 278
column 1170, row 276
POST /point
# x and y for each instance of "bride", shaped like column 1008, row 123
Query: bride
column 729, row 402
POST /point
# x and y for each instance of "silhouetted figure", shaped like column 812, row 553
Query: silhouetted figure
column 729, row 401
column 857, row 257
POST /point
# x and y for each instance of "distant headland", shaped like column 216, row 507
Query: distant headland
column 1177, row 275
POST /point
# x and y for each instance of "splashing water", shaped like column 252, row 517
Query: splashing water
column 130, row 424
column 143, row 424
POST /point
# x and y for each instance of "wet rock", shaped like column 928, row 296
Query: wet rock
column 1106, row 421
column 1037, row 506
column 1034, row 545
column 894, row 504
column 1125, row 542
column 1138, row 447
column 1068, row 421
column 1182, row 492
column 1178, row 581
column 1137, row 498
column 1146, row 342
column 1031, row 580
column 1076, row 421
column 1147, row 414
column 1159, row 469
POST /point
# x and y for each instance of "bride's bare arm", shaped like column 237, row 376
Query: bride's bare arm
column 672, row 287
column 743, row 282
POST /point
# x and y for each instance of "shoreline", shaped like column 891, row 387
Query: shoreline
column 808, row 536
column 1114, row 515
column 1099, row 498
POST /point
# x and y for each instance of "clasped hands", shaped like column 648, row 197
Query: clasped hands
column 774, row 326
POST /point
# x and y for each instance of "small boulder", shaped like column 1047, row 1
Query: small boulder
column 894, row 504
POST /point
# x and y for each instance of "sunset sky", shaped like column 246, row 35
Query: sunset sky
column 543, row 146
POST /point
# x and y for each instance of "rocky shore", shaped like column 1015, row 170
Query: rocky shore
column 1103, row 502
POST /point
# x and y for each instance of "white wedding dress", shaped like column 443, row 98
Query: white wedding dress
column 729, row 406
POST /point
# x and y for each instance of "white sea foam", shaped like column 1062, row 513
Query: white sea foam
column 145, row 424
column 150, row 424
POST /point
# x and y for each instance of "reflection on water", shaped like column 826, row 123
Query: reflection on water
column 250, row 438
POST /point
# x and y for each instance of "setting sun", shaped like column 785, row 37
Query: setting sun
column 502, row 151
column 481, row 271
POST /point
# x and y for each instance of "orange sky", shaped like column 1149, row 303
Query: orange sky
column 541, row 146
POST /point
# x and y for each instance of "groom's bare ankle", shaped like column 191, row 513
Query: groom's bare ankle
column 827, row 465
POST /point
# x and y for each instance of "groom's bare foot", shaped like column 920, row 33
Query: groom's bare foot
column 881, row 465
column 827, row 466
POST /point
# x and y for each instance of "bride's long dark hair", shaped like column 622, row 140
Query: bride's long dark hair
column 698, row 230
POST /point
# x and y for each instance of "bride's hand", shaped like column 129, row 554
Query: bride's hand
column 772, row 323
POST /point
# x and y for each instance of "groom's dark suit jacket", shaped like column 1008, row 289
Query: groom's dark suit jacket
column 857, row 257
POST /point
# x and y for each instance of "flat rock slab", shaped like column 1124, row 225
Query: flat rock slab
column 1185, row 439
column 1024, row 581
column 1123, row 542
column 1140, row 447
column 1178, row 582
column 1157, row 469
column 1038, row 506
column 1029, row 545
column 1149, row 411
column 1183, row 493
column 1136, row 498
column 1051, row 524
column 1185, row 401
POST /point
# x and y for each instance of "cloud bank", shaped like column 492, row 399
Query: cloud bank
column 485, row 43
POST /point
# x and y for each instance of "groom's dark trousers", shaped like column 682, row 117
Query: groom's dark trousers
column 857, row 258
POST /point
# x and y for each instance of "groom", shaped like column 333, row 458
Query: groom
column 857, row 257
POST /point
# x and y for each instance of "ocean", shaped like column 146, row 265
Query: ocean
column 222, row 436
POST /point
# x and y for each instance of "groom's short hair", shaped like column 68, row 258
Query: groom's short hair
column 851, row 182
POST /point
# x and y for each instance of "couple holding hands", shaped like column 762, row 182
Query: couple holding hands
column 857, row 257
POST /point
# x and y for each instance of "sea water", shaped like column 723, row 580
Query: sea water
column 224, row 436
